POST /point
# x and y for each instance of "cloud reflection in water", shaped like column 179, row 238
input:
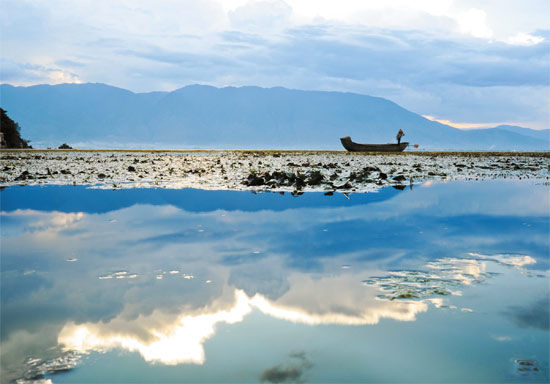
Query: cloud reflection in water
column 327, row 300
column 300, row 265
column 181, row 340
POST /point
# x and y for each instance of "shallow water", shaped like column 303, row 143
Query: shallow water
column 445, row 282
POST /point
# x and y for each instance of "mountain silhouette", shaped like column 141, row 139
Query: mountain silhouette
column 200, row 116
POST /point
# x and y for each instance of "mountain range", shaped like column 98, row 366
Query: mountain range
column 96, row 115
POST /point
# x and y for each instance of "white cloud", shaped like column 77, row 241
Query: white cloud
column 180, row 341
column 414, row 53
column 261, row 15
column 336, row 299
column 473, row 22
column 524, row 39
column 62, row 76
column 347, row 9
column 42, row 221
column 157, row 338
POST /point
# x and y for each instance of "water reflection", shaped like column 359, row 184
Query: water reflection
column 161, row 280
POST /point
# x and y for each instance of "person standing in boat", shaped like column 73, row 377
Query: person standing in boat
column 400, row 134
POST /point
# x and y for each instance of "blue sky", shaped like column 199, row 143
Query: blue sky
column 471, row 63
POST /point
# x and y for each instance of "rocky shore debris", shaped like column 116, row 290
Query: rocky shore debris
column 441, row 277
column 527, row 367
column 296, row 172
column 25, row 175
column 38, row 369
column 321, row 177
column 286, row 179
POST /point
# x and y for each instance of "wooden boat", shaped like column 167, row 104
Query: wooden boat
column 355, row 147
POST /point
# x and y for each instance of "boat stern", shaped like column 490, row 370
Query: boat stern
column 347, row 143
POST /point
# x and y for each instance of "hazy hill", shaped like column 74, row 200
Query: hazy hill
column 200, row 116
column 541, row 134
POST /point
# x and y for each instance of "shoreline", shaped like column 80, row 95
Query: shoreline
column 464, row 153
column 285, row 171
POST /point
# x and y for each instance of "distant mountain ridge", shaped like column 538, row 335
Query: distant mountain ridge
column 199, row 116
column 540, row 134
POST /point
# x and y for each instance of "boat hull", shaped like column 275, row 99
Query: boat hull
column 355, row 147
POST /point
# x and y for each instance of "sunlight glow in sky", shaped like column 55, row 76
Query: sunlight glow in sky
column 474, row 62
column 461, row 125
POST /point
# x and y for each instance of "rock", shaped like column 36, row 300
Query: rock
column 344, row 186
column 527, row 367
column 131, row 169
column 23, row 176
column 369, row 169
column 102, row 175
column 9, row 133
column 399, row 178
column 254, row 180
column 315, row 178
column 276, row 175
column 300, row 180
column 383, row 176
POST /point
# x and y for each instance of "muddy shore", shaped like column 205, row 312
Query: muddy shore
column 289, row 171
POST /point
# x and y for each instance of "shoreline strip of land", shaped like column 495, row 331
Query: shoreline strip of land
column 274, row 170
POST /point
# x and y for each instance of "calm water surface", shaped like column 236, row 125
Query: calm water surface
column 442, row 283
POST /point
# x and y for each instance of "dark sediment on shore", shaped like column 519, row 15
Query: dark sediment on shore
column 296, row 171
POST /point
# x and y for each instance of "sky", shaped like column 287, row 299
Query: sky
column 470, row 64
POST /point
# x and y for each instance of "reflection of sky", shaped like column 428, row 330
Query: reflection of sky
column 162, row 279
column 79, row 198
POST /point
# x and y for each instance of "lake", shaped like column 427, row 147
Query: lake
column 441, row 282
